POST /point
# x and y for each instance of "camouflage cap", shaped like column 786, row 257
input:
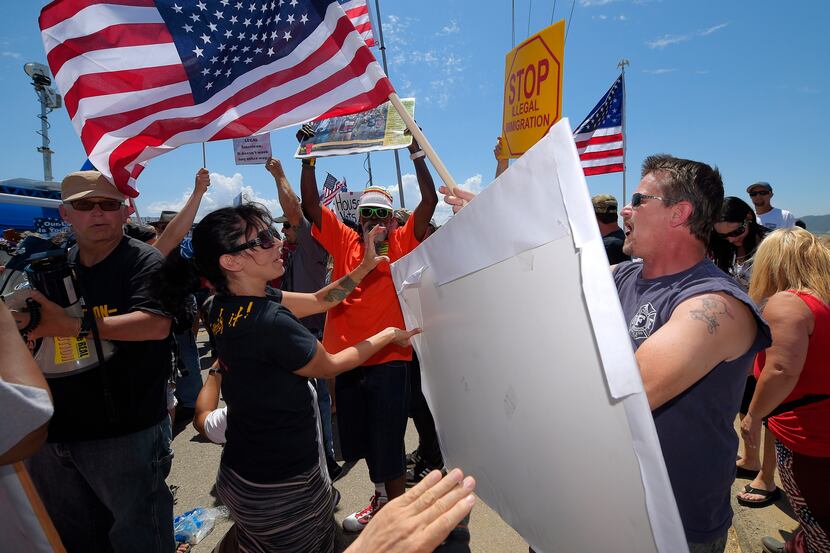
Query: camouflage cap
column 604, row 203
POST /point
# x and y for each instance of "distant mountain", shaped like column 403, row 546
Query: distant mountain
column 817, row 223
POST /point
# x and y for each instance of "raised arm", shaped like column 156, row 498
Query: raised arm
column 308, row 182
column 305, row 304
column 791, row 323
column 181, row 223
column 702, row 331
column 502, row 160
column 429, row 198
column 288, row 200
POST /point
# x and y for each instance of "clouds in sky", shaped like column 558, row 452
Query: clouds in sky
column 413, row 194
column 223, row 189
column 669, row 39
column 442, row 61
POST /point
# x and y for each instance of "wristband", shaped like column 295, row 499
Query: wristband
column 309, row 161
column 417, row 155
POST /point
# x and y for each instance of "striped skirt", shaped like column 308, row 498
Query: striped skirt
column 294, row 515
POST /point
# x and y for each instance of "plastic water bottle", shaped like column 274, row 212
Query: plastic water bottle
column 193, row 526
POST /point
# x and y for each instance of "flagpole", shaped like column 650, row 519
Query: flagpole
column 386, row 70
column 424, row 143
column 204, row 156
column 621, row 65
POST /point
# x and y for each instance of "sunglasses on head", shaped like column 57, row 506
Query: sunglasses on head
column 89, row 205
column 737, row 232
column 266, row 240
column 377, row 212
column 637, row 199
column 759, row 193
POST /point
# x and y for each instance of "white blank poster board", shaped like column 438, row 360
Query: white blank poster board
column 533, row 393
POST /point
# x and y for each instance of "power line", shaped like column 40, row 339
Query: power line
column 552, row 12
column 529, row 10
column 570, row 18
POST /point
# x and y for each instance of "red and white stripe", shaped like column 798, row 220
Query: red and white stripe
column 129, row 98
column 600, row 151
column 358, row 12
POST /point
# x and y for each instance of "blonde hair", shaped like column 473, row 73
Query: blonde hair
column 790, row 259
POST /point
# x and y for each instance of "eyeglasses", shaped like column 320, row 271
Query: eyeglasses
column 377, row 212
column 737, row 232
column 759, row 193
column 89, row 205
column 637, row 199
column 266, row 240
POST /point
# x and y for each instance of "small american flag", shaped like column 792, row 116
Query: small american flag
column 142, row 77
column 358, row 12
column 330, row 189
column 599, row 138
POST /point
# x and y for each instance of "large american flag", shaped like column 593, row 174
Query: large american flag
column 142, row 77
column 331, row 187
column 358, row 12
column 599, row 138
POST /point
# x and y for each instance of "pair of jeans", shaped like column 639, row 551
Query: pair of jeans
column 109, row 495
column 188, row 385
column 324, row 403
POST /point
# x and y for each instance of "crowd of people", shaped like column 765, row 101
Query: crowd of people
column 727, row 308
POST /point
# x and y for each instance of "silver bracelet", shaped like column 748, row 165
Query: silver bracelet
column 417, row 155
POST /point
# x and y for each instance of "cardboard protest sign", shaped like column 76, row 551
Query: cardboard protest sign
column 535, row 391
column 533, row 89
column 345, row 205
column 380, row 128
column 252, row 150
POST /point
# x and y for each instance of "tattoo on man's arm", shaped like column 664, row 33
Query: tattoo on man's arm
column 344, row 287
column 710, row 311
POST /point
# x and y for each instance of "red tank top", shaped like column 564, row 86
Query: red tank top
column 806, row 429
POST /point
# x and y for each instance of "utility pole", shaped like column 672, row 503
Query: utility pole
column 622, row 65
column 386, row 70
column 49, row 100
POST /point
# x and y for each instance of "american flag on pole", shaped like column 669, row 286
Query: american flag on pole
column 142, row 77
column 358, row 12
column 330, row 189
column 599, row 138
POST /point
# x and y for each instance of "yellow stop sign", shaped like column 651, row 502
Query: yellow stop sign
column 533, row 89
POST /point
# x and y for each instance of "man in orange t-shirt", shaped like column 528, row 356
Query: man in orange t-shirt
column 372, row 399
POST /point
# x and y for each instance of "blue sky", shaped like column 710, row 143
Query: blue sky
column 739, row 85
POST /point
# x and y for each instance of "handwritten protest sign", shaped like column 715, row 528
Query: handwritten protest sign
column 252, row 150
column 345, row 205
column 533, row 89
column 380, row 128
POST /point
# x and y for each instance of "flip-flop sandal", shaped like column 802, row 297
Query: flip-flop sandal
column 183, row 547
column 742, row 472
column 769, row 497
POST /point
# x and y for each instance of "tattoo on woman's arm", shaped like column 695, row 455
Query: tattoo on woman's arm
column 710, row 311
column 344, row 287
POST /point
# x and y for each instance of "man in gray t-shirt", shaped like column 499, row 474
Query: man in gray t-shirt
column 305, row 271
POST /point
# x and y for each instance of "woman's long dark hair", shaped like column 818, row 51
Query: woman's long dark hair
column 213, row 237
column 735, row 210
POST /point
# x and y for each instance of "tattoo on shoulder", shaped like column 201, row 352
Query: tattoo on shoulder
column 710, row 310
column 344, row 287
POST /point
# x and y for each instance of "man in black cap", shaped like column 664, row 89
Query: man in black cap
column 613, row 237
column 768, row 216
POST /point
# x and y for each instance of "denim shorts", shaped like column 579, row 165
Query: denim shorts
column 372, row 408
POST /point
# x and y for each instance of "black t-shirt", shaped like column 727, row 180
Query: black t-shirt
column 272, row 432
column 613, row 243
column 138, row 371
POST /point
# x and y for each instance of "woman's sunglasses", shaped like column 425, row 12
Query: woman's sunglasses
column 377, row 212
column 266, row 240
column 737, row 232
column 89, row 205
